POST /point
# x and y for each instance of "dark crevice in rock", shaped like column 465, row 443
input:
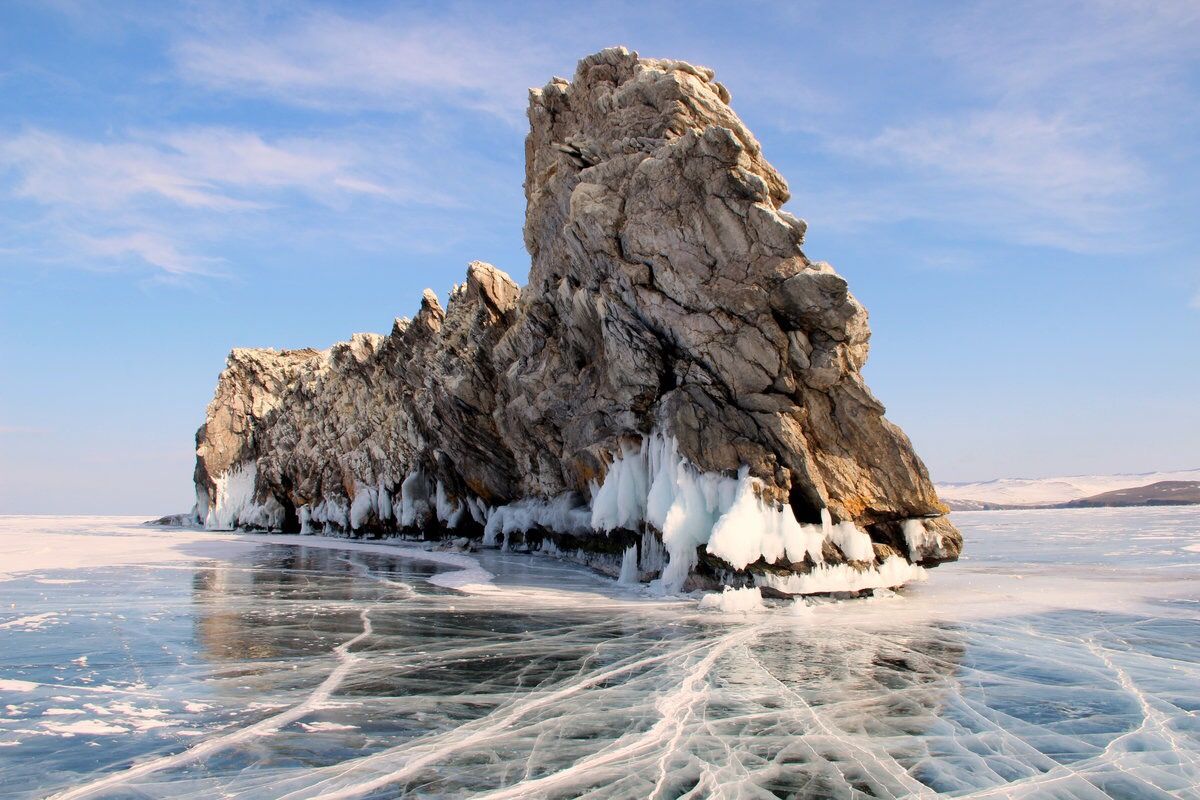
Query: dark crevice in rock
column 806, row 504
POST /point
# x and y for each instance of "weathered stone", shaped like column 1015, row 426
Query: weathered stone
column 667, row 293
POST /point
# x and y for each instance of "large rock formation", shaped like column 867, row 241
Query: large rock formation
column 675, row 394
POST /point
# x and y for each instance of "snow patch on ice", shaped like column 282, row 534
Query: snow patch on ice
column 801, row 608
column 11, row 685
column 894, row 571
column 318, row 727
column 84, row 727
column 468, row 575
column 734, row 601
column 41, row 544
column 33, row 622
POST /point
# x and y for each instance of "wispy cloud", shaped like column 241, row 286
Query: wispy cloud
column 392, row 62
column 215, row 169
column 1043, row 129
column 152, row 248
column 149, row 197
column 1046, row 159
column 1023, row 176
column 1052, row 126
column 11, row 430
column 1102, row 56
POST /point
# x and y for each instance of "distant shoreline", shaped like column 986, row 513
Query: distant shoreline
column 1160, row 493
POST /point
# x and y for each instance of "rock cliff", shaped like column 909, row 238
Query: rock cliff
column 675, row 395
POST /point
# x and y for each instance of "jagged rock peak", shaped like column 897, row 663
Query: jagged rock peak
column 678, row 384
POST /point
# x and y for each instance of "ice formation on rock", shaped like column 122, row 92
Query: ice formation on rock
column 733, row 601
column 675, row 396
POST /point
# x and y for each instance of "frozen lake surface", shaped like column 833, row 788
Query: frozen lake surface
column 1059, row 659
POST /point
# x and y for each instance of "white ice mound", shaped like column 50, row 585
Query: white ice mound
column 734, row 601
column 648, row 485
column 235, row 507
column 728, row 516
column 731, row 520
column 825, row 578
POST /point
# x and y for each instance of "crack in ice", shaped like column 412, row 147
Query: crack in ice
column 346, row 661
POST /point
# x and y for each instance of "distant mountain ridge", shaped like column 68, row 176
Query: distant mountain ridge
column 1066, row 491
column 1163, row 493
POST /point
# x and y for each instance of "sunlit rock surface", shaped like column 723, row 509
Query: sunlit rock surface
column 675, row 395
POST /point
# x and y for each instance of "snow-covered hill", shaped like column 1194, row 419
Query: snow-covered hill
column 1048, row 491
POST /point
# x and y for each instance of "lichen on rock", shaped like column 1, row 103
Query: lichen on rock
column 672, row 332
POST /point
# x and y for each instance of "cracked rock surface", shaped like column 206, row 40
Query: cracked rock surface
column 667, row 293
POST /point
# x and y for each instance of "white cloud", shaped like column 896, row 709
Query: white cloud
column 1051, row 159
column 1035, row 179
column 153, row 249
column 1099, row 55
column 160, row 198
column 392, row 63
column 1029, row 138
column 1052, row 124
column 215, row 169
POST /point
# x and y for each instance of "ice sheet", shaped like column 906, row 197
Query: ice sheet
column 1058, row 660
column 38, row 543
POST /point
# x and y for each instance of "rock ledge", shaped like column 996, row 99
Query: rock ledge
column 675, row 395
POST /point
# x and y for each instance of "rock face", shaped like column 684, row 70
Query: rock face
column 675, row 395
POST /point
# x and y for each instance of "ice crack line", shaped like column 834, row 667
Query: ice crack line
column 346, row 661
column 871, row 761
column 1154, row 721
column 437, row 748
column 675, row 710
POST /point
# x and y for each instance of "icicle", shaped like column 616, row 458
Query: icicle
column 629, row 565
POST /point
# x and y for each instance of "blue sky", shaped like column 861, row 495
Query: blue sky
column 1012, row 189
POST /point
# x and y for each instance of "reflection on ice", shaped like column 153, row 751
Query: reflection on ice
column 302, row 672
column 651, row 701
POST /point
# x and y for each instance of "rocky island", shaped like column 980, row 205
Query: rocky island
column 675, row 396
